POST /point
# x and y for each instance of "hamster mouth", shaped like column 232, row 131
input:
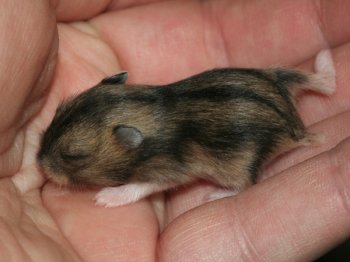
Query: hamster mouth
column 46, row 169
column 60, row 180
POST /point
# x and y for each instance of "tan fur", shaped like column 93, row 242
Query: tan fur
column 129, row 114
column 230, row 173
column 219, row 125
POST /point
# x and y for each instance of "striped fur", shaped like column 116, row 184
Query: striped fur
column 220, row 125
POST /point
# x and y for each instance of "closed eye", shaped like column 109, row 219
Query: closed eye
column 73, row 157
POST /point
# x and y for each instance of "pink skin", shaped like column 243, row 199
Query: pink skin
column 159, row 43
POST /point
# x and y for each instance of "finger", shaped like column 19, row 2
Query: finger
column 27, row 61
column 301, row 214
column 183, row 199
column 107, row 234
column 162, row 48
column 77, row 10
column 177, row 39
column 28, row 233
column 120, row 4
column 289, row 31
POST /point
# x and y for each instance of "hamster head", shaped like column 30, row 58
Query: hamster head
column 86, row 144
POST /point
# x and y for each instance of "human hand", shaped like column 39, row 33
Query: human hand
column 296, row 215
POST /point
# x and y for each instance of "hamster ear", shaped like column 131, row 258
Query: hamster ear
column 115, row 79
column 128, row 136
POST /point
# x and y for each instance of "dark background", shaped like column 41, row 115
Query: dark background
column 339, row 254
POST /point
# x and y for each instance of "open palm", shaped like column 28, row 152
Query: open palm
column 298, row 214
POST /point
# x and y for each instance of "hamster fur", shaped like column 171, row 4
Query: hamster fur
column 219, row 125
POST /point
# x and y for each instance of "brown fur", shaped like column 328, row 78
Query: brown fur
column 220, row 125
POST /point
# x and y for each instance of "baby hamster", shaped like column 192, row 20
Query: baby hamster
column 219, row 125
